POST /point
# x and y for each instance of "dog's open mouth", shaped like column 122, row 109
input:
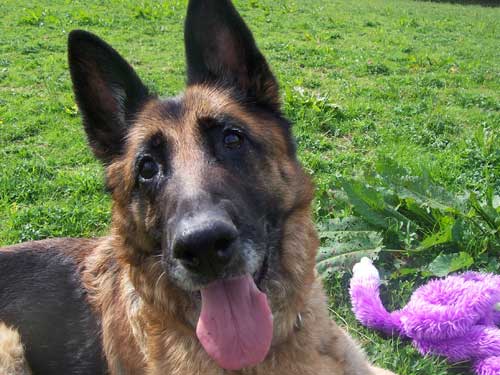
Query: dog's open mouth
column 236, row 324
column 261, row 273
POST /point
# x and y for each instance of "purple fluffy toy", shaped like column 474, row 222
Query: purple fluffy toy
column 456, row 317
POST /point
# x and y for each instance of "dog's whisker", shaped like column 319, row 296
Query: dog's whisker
column 159, row 278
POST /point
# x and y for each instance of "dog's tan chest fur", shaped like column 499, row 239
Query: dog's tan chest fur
column 12, row 361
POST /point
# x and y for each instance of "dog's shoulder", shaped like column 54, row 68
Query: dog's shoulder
column 42, row 295
column 46, row 270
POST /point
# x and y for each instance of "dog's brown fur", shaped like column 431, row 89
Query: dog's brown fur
column 147, row 323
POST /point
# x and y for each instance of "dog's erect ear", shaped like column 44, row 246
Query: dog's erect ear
column 107, row 90
column 220, row 49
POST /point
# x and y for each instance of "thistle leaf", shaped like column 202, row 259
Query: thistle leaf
column 344, row 243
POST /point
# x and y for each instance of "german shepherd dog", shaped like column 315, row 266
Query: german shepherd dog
column 209, row 266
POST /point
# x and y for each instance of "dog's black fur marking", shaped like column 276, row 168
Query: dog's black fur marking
column 41, row 295
column 172, row 109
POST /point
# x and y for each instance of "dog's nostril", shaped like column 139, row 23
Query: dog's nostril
column 223, row 255
column 205, row 247
column 221, row 247
column 191, row 258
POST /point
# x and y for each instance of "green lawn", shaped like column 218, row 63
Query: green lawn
column 418, row 82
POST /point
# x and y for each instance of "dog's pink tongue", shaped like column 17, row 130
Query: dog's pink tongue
column 236, row 325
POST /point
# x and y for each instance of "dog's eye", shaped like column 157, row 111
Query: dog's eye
column 148, row 168
column 232, row 139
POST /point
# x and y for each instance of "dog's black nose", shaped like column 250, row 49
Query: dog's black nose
column 203, row 243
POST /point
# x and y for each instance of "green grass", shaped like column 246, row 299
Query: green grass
column 418, row 82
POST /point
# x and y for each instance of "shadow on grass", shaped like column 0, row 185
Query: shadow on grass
column 484, row 3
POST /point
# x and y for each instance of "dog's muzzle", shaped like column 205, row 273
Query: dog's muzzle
column 204, row 243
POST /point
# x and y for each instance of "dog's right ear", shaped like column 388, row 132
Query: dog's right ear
column 108, row 92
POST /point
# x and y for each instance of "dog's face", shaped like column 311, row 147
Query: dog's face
column 201, row 183
column 207, row 185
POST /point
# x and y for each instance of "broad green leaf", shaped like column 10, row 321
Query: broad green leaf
column 350, row 223
column 444, row 235
column 419, row 212
column 458, row 232
column 343, row 248
column 487, row 213
column 445, row 264
column 419, row 188
column 404, row 272
column 369, row 204
column 438, row 238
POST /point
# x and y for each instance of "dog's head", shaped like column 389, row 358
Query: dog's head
column 205, row 183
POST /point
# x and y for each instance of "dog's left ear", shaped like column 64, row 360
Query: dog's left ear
column 220, row 49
